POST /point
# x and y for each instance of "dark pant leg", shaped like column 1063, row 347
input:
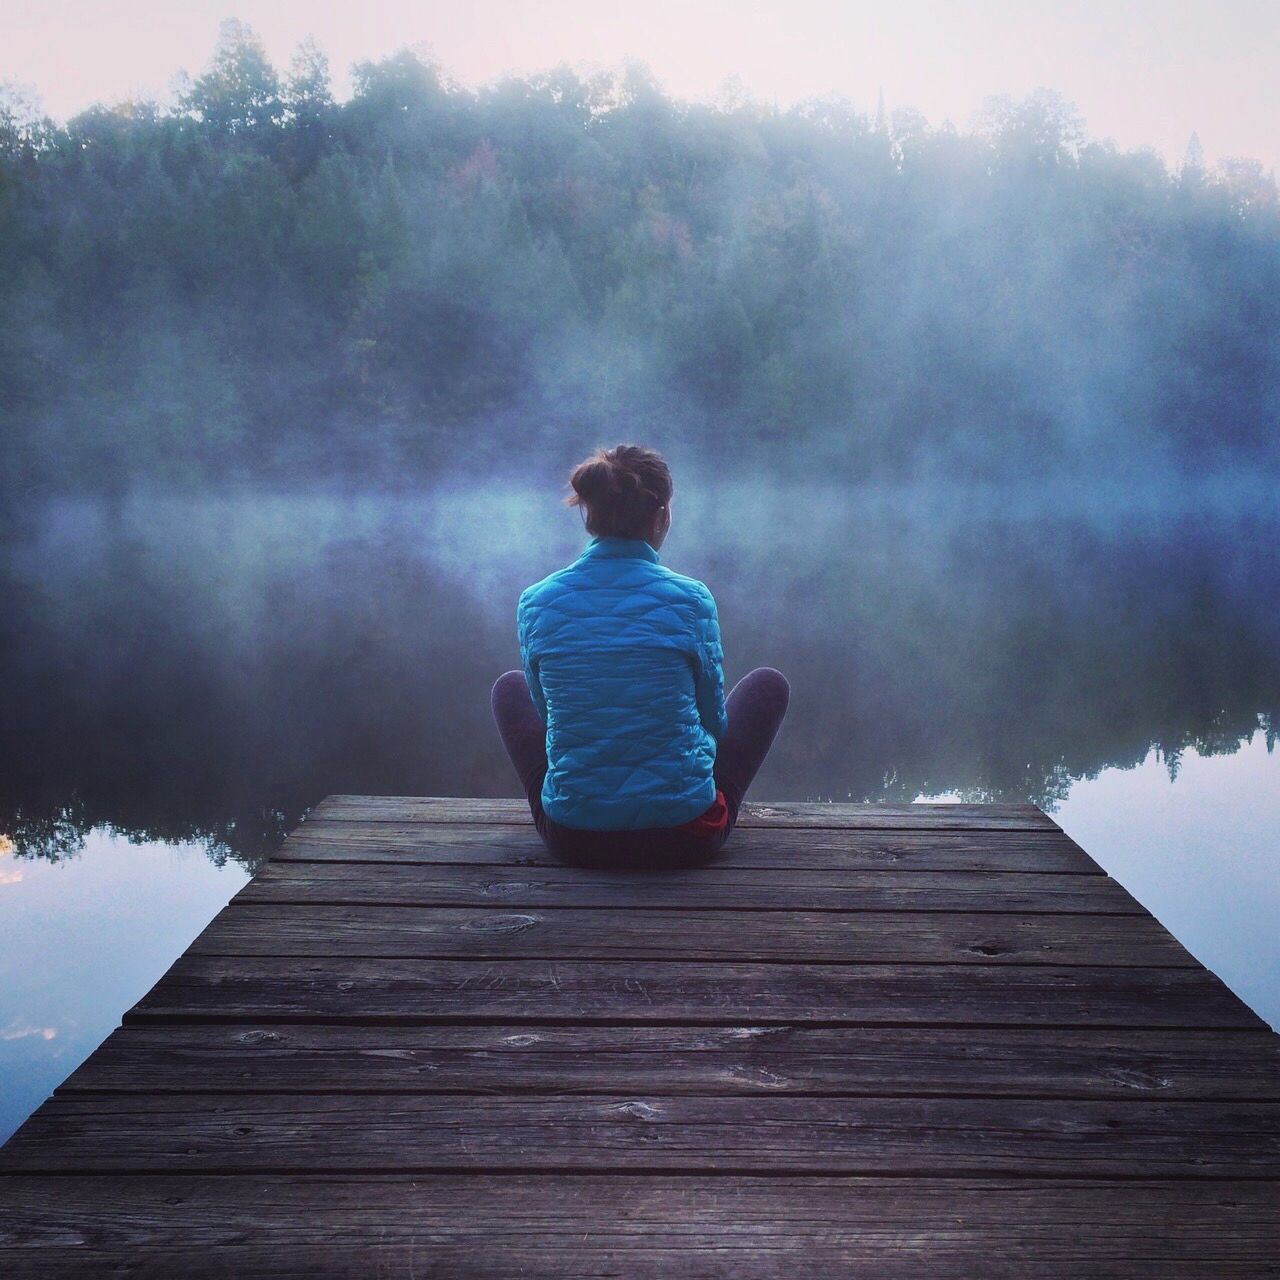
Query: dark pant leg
column 524, row 736
column 755, row 707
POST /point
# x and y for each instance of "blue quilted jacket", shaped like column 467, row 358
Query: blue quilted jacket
column 624, row 664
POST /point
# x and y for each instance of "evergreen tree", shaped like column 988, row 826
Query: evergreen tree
column 264, row 281
column 240, row 92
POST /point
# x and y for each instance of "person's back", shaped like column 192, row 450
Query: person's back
column 618, row 724
column 624, row 663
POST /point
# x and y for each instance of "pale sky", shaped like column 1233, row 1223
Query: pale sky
column 1142, row 72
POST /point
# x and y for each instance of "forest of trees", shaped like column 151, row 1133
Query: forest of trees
column 261, row 283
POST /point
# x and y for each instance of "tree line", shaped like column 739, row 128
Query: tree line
column 262, row 283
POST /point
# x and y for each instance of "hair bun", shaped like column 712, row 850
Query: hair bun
column 594, row 480
column 620, row 489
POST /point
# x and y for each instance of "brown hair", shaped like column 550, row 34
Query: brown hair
column 620, row 489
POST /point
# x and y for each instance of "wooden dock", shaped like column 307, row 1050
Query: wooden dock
column 927, row 1041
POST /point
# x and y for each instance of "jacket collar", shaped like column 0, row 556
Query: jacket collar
column 609, row 547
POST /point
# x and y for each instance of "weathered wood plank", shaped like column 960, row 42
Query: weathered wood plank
column 652, row 1228
column 723, row 887
column 347, row 989
column 557, row 1257
column 627, row 1133
column 866, row 937
column 1021, row 1061
column 776, row 848
column 790, row 814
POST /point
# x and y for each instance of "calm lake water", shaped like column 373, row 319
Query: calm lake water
column 183, row 678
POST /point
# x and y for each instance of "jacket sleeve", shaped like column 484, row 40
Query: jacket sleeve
column 527, row 661
column 709, row 667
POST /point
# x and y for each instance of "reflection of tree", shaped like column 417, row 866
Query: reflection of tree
column 197, row 684
column 53, row 834
column 1022, row 659
column 216, row 700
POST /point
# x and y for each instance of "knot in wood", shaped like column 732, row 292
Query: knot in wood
column 506, row 888
column 638, row 1110
column 1132, row 1078
column 501, row 924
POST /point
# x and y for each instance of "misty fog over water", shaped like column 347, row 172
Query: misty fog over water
column 206, row 668
column 191, row 673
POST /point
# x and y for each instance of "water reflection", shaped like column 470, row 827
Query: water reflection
column 1201, row 854
column 203, row 671
column 83, row 940
column 182, row 679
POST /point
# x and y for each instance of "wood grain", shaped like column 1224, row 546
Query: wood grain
column 650, row 1228
column 692, row 888
column 868, row 816
column 632, row 1132
column 796, row 1058
column 765, row 848
column 863, row 937
column 340, row 989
